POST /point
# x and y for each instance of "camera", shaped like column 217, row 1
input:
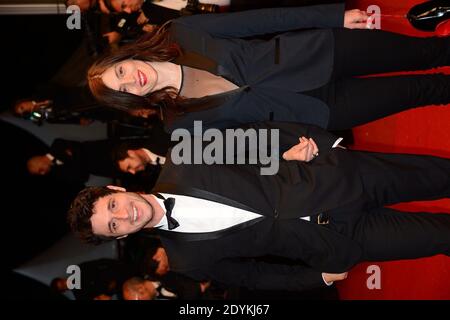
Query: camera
column 40, row 114
column 195, row 7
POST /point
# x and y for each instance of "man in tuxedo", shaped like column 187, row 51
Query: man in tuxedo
column 100, row 279
column 156, row 280
column 159, row 12
column 64, row 105
column 138, row 288
column 324, row 208
column 135, row 155
column 74, row 161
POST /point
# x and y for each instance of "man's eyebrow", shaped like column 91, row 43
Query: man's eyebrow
column 110, row 221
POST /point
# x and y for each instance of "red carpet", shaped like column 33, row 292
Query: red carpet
column 422, row 131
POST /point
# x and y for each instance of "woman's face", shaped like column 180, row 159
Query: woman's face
column 132, row 76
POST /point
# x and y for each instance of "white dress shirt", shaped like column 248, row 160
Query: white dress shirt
column 154, row 158
column 198, row 215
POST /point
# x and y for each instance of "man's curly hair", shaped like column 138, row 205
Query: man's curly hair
column 81, row 211
column 120, row 151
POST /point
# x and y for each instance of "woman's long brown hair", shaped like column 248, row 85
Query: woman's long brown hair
column 154, row 46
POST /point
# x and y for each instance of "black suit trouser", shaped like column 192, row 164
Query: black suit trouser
column 388, row 234
column 354, row 101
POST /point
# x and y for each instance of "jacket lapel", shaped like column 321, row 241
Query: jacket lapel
column 198, row 61
column 202, row 194
column 201, row 236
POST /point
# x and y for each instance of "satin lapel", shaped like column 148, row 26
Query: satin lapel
column 198, row 61
column 202, row 194
column 184, row 236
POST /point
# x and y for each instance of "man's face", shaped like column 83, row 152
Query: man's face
column 24, row 107
column 163, row 261
column 143, row 291
column 84, row 5
column 39, row 165
column 135, row 162
column 61, row 284
column 122, row 213
column 127, row 6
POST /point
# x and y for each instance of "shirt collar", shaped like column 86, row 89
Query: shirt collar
column 163, row 221
column 153, row 157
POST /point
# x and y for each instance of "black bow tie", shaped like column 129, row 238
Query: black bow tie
column 169, row 203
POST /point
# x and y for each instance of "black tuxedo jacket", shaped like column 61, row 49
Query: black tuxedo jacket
column 158, row 14
column 299, row 189
column 157, row 140
column 240, row 5
column 84, row 158
column 270, row 74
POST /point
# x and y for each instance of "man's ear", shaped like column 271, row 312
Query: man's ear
column 116, row 188
column 122, row 237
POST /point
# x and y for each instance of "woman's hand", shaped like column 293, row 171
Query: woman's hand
column 305, row 150
column 142, row 19
column 356, row 19
column 148, row 27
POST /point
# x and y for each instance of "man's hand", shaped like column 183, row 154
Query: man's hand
column 142, row 19
column 204, row 285
column 85, row 121
column 331, row 277
column 356, row 19
column 148, row 27
column 39, row 165
column 113, row 37
column 305, row 150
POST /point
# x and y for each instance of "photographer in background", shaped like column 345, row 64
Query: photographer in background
column 74, row 161
column 145, row 15
column 160, row 11
column 155, row 280
column 65, row 105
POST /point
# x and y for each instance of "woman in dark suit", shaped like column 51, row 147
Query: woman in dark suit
column 212, row 68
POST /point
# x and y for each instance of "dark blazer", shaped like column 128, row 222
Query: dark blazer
column 270, row 74
column 157, row 140
column 297, row 190
column 84, row 158
column 158, row 14
column 240, row 5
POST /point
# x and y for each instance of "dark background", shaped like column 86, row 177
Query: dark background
column 34, row 47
